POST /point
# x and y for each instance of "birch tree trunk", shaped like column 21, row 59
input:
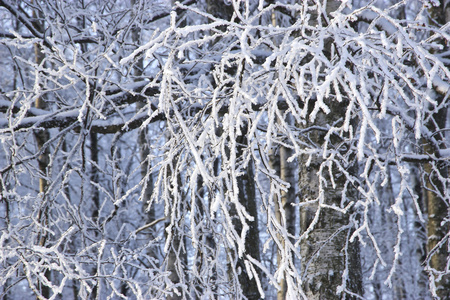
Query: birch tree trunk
column 329, row 260
column 330, row 263
column 288, row 218
column 284, row 209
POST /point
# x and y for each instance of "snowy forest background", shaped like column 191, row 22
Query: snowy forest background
column 224, row 149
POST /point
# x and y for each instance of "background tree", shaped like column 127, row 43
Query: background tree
column 436, row 178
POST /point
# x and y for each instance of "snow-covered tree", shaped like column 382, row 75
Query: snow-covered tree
column 235, row 149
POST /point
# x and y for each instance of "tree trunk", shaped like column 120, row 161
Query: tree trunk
column 331, row 265
column 42, row 136
column 175, row 265
column 246, row 187
column 94, row 178
column 176, row 256
column 437, row 228
column 436, row 175
column 247, row 197
column 421, row 232
column 205, row 273
column 329, row 261
column 284, row 210
column 287, row 172
column 144, row 147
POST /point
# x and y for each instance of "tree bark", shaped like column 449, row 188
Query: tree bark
column 437, row 227
column 246, row 186
column 143, row 142
column 284, row 209
column 330, row 263
column 42, row 136
column 435, row 187
column 287, row 172
column 247, row 197
column 420, row 231
column 175, row 259
column 329, row 260
column 176, row 256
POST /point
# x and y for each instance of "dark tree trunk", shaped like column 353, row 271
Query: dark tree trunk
column 435, row 188
column 247, row 197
